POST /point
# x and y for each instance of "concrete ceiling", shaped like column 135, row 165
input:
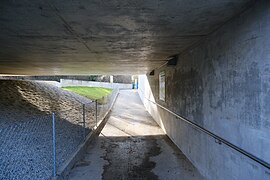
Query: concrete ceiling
column 68, row 37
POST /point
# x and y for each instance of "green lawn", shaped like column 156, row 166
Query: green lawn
column 89, row 92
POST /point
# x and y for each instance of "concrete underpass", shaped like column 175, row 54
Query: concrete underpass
column 133, row 146
column 201, row 110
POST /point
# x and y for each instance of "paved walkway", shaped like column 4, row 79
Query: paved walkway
column 132, row 146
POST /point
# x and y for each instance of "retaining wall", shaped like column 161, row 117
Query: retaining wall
column 223, row 85
column 69, row 82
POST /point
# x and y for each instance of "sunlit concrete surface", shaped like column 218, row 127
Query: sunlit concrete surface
column 133, row 146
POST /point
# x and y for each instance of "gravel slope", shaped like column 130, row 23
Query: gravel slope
column 26, row 127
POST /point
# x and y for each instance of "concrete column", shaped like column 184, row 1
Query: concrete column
column 111, row 79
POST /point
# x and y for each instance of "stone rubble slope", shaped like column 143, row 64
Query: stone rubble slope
column 26, row 127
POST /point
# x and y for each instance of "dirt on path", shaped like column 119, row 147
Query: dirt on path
column 133, row 146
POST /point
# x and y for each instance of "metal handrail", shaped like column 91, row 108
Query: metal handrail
column 220, row 139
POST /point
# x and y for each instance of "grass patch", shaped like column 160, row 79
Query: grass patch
column 90, row 92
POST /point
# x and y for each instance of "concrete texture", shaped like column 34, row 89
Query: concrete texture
column 45, row 37
column 133, row 146
column 64, row 170
column 222, row 84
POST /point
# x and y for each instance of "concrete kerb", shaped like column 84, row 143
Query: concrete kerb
column 63, row 171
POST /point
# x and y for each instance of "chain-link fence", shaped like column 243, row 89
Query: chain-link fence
column 26, row 144
column 104, row 104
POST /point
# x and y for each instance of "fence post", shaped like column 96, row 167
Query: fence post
column 54, row 145
column 84, row 133
column 96, row 113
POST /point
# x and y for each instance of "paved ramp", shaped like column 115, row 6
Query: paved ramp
column 133, row 146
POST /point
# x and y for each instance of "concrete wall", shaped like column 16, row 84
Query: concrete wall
column 69, row 82
column 222, row 84
column 54, row 83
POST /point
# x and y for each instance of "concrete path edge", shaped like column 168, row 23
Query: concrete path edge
column 63, row 171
